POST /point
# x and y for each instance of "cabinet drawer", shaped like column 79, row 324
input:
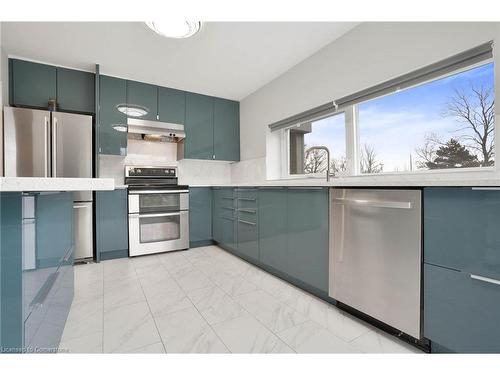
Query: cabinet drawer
column 461, row 313
column 248, row 214
column 248, row 238
column 461, row 229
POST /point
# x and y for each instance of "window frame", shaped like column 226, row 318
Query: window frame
column 352, row 140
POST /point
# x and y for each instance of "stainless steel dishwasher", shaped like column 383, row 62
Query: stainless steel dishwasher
column 375, row 254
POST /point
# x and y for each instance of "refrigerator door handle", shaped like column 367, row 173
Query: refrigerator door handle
column 54, row 146
column 46, row 147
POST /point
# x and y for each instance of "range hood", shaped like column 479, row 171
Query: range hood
column 156, row 128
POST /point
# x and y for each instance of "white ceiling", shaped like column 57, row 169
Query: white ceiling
column 225, row 59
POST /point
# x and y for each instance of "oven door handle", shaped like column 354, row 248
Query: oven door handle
column 157, row 191
column 155, row 215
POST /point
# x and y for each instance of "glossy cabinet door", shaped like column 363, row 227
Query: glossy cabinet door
column 226, row 130
column 200, row 216
column 31, row 84
column 247, row 223
column 171, row 105
column 112, row 224
column 461, row 229
column 228, row 218
column 199, row 127
column 308, row 236
column 461, row 313
column 75, row 90
column 217, row 214
column 145, row 96
column 113, row 123
column 273, row 241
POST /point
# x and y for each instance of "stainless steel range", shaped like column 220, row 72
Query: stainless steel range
column 158, row 210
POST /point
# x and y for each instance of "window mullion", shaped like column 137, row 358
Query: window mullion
column 352, row 141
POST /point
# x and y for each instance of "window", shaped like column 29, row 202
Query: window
column 446, row 123
column 328, row 132
column 439, row 117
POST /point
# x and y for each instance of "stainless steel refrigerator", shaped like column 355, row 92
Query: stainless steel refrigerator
column 40, row 143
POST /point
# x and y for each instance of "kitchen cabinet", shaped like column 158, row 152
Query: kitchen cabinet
column 217, row 194
column 112, row 224
column 273, row 212
column 199, row 127
column 200, row 216
column 461, row 229
column 226, row 130
column 113, row 123
column 36, row 274
column 31, row 84
column 461, row 313
column 307, row 226
column 145, row 96
column 171, row 105
column 75, row 90
column 247, row 226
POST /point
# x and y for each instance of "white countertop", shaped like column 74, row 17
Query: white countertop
column 369, row 182
column 55, row 184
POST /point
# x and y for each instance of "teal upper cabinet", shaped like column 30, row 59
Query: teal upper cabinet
column 144, row 96
column 199, row 127
column 226, row 130
column 171, row 105
column 113, row 123
column 75, row 90
column 31, row 84
column 308, row 236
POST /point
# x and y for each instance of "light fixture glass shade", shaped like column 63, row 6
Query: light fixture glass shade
column 132, row 110
column 175, row 29
column 120, row 128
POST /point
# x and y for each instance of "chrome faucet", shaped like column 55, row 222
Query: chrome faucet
column 324, row 148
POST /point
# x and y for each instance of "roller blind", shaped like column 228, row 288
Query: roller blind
column 459, row 61
column 428, row 73
column 315, row 113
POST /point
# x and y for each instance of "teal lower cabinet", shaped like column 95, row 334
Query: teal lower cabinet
column 247, row 226
column 308, row 236
column 461, row 312
column 462, row 269
column 200, row 216
column 217, row 214
column 224, row 228
column 36, row 273
column 112, row 224
column 273, row 213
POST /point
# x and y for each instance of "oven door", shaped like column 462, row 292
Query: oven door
column 158, row 232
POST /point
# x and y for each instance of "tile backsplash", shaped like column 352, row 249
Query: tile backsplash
column 141, row 152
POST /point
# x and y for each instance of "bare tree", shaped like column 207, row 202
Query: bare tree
column 315, row 161
column 369, row 162
column 338, row 165
column 475, row 110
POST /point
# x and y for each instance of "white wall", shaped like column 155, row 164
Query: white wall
column 369, row 54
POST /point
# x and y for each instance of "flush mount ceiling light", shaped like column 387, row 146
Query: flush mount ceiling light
column 132, row 110
column 175, row 29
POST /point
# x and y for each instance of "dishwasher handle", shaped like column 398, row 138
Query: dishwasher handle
column 376, row 204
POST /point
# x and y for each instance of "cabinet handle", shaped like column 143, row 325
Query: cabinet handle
column 305, row 188
column 54, row 147
column 486, row 188
column 228, row 208
column 247, row 199
column 246, row 222
column 247, row 210
column 485, row 279
column 231, row 198
column 227, row 218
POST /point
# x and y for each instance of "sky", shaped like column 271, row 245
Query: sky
column 396, row 124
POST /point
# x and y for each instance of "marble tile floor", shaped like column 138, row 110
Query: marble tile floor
column 205, row 300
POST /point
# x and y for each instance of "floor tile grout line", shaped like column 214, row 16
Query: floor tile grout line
column 151, row 311
column 250, row 314
column 199, row 312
